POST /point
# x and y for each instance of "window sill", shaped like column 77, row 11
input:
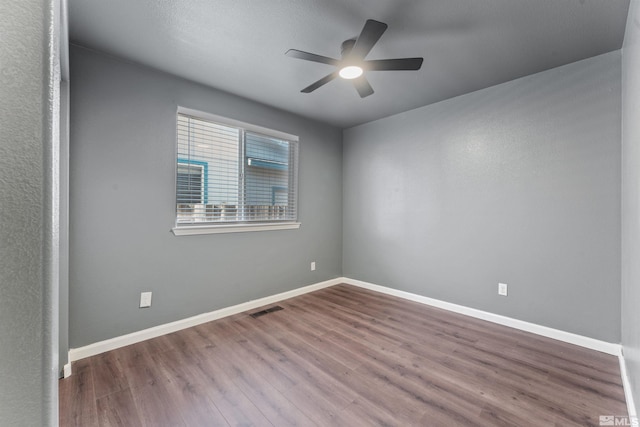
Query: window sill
column 232, row 228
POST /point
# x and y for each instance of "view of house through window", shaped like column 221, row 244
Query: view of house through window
column 227, row 174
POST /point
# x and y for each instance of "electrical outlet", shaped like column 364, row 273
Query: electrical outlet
column 145, row 299
column 313, row 266
column 502, row 289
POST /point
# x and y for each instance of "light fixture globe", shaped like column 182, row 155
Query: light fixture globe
column 350, row 72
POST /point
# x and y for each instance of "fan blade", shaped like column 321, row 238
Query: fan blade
column 394, row 64
column 368, row 37
column 323, row 81
column 362, row 86
column 295, row 53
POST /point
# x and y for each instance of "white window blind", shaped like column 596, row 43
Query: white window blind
column 227, row 174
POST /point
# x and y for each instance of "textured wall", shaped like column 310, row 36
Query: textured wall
column 122, row 206
column 28, row 294
column 631, row 198
column 518, row 183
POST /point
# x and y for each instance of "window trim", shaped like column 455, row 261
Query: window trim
column 210, row 228
column 237, row 123
column 190, row 230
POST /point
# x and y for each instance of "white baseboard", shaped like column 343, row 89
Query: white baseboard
column 626, row 385
column 590, row 343
column 66, row 370
column 602, row 346
column 156, row 331
column 117, row 342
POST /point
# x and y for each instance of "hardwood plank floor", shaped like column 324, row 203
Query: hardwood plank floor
column 344, row 356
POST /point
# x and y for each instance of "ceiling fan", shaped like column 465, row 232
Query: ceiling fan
column 353, row 65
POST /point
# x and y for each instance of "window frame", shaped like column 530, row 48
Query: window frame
column 181, row 229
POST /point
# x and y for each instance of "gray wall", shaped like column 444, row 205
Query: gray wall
column 631, row 198
column 122, row 208
column 518, row 183
column 28, row 177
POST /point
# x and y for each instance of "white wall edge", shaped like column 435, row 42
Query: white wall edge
column 66, row 370
column 591, row 343
column 167, row 328
column 626, row 385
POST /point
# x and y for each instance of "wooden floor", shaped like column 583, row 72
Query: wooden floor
column 344, row 356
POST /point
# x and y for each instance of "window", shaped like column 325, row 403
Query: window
column 190, row 184
column 231, row 176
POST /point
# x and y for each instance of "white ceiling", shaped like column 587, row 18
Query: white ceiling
column 239, row 45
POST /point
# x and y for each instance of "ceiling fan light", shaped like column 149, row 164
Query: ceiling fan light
column 350, row 72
